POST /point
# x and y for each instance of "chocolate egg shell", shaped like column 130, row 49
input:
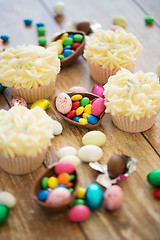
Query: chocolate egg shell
column 84, row 26
column 116, row 166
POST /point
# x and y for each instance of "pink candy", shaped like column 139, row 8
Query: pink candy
column 59, row 196
column 98, row 107
column 78, row 89
column 79, row 213
column 98, row 90
column 65, row 166
column 113, row 197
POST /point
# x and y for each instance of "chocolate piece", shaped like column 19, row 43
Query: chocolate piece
column 116, row 165
column 84, row 26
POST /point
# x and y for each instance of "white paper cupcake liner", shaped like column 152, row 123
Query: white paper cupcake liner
column 100, row 74
column 34, row 94
column 125, row 124
column 22, row 165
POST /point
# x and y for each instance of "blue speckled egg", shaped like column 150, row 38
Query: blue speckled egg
column 94, row 196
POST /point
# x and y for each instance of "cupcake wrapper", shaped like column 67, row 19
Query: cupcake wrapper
column 125, row 124
column 34, row 94
column 100, row 74
column 22, row 165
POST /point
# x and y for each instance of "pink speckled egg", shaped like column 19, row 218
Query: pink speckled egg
column 115, row 27
column 113, row 197
column 98, row 107
column 59, row 196
column 65, row 166
column 63, row 103
column 98, row 90
column 79, row 213
column 78, row 89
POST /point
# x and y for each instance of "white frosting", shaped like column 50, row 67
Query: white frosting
column 132, row 95
column 24, row 132
column 28, row 67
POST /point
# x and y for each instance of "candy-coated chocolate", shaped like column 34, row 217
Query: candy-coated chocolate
column 65, row 151
column 154, row 178
column 116, row 166
column 64, row 35
column 69, row 184
column 76, row 97
column 7, row 199
column 67, row 53
column 92, row 119
column 44, row 182
column 84, row 115
column 72, row 158
column 83, row 120
column 63, row 178
column 81, row 192
column 41, row 30
column 93, row 100
column 98, row 90
column 87, row 109
column 61, row 57
column 20, row 101
column 28, row 22
column 40, row 24
column 42, row 41
column 90, row 153
column 75, row 45
column 94, row 138
column 63, row 103
column 58, row 45
column 75, row 105
column 2, row 88
column 59, row 40
column 68, row 41
column 71, row 190
column 42, row 195
column 66, row 47
column 79, row 202
column 156, row 193
column 71, row 114
column 71, row 35
column 72, row 177
column 52, row 182
column 77, row 89
column 61, row 185
column 59, row 196
column 76, row 118
column 42, row 103
column 64, row 166
column 5, row 38
column 4, row 213
column 78, row 213
column 78, row 37
column 79, row 111
column 98, row 107
column 94, row 196
column 149, row 19
column 113, row 197
column 84, row 101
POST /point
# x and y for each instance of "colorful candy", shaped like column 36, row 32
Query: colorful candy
column 63, row 103
column 79, row 111
column 79, row 202
column 20, row 101
column 92, row 119
column 58, row 45
column 63, row 178
column 94, row 196
column 4, row 213
column 76, row 97
column 71, row 114
column 65, row 151
column 98, row 107
column 75, row 105
column 41, row 30
column 44, row 183
column 78, row 213
column 98, row 90
column 59, row 196
column 156, row 193
column 81, row 191
column 42, row 41
column 94, row 138
column 84, row 101
column 5, row 37
column 90, row 153
column 42, row 195
column 78, row 38
column 154, row 178
column 149, row 20
column 64, row 166
column 40, row 24
column 77, row 89
column 52, row 182
column 28, row 22
column 113, row 197
column 72, row 158
column 42, row 103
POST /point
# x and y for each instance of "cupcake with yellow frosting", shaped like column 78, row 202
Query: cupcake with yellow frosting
column 24, row 138
column 29, row 71
column 107, row 51
column 133, row 100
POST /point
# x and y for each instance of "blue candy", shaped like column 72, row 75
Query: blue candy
column 27, row 21
column 61, row 185
column 71, row 35
column 5, row 38
column 2, row 87
column 42, row 195
column 40, row 24
column 67, row 52
column 94, row 196
column 76, row 118
column 92, row 119
column 67, row 47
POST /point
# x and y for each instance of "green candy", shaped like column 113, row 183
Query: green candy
column 84, row 101
column 149, row 19
column 61, row 57
column 44, row 183
column 71, row 190
column 4, row 213
column 78, row 38
column 79, row 202
column 41, row 30
column 72, row 177
column 154, row 178
column 2, row 87
column 42, row 41
column 67, row 41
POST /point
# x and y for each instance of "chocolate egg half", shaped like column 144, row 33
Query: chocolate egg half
column 84, row 26
column 116, row 166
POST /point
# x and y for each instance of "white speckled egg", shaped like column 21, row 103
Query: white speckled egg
column 90, row 153
column 66, row 151
column 63, row 103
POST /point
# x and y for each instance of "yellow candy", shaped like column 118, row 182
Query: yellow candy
column 81, row 192
column 83, row 120
column 79, row 111
column 42, row 103
column 52, row 182
column 64, row 36
column 72, row 50
column 59, row 40
column 76, row 97
column 87, row 109
column 85, row 115
column 57, row 44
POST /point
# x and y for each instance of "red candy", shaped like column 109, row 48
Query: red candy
column 71, row 114
column 18, row 100
column 156, row 193
column 75, row 105
column 76, row 45
column 93, row 100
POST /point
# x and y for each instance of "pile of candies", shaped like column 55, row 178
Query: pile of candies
column 7, row 201
column 80, row 109
column 154, row 179
column 67, row 44
column 57, row 189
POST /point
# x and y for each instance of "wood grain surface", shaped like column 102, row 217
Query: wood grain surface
column 139, row 216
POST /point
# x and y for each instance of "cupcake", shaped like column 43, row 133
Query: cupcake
column 24, row 138
column 30, row 72
column 107, row 51
column 133, row 100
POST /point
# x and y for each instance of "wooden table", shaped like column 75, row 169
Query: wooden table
column 139, row 215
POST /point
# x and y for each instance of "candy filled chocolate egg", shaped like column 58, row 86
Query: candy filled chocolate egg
column 116, row 165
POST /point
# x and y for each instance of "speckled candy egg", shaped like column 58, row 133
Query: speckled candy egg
column 65, row 166
column 98, row 90
column 94, row 196
column 113, row 197
column 59, row 196
column 63, row 103
column 78, row 213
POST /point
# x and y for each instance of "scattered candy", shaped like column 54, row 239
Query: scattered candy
column 63, row 103
column 64, row 166
column 90, row 153
column 79, row 202
column 94, row 196
column 156, row 193
column 59, row 8
column 113, row 197
column 4, row 213
column 72, row 158
column 20, row 101
column 5, row 38
column 98, row 90
column 40, row 24
column 2, row 88
column 42, row 41
column 94, row 138
column 57, row 128
column 41, row 30
column 7, row 199
column 149, row 20
column 28, row 22
column 65, row 151
column 78, row 213
column 81, row 192
column 120, row 20
column 154, row 178
column 42, row 103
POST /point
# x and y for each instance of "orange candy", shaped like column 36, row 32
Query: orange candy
column 63, row 178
